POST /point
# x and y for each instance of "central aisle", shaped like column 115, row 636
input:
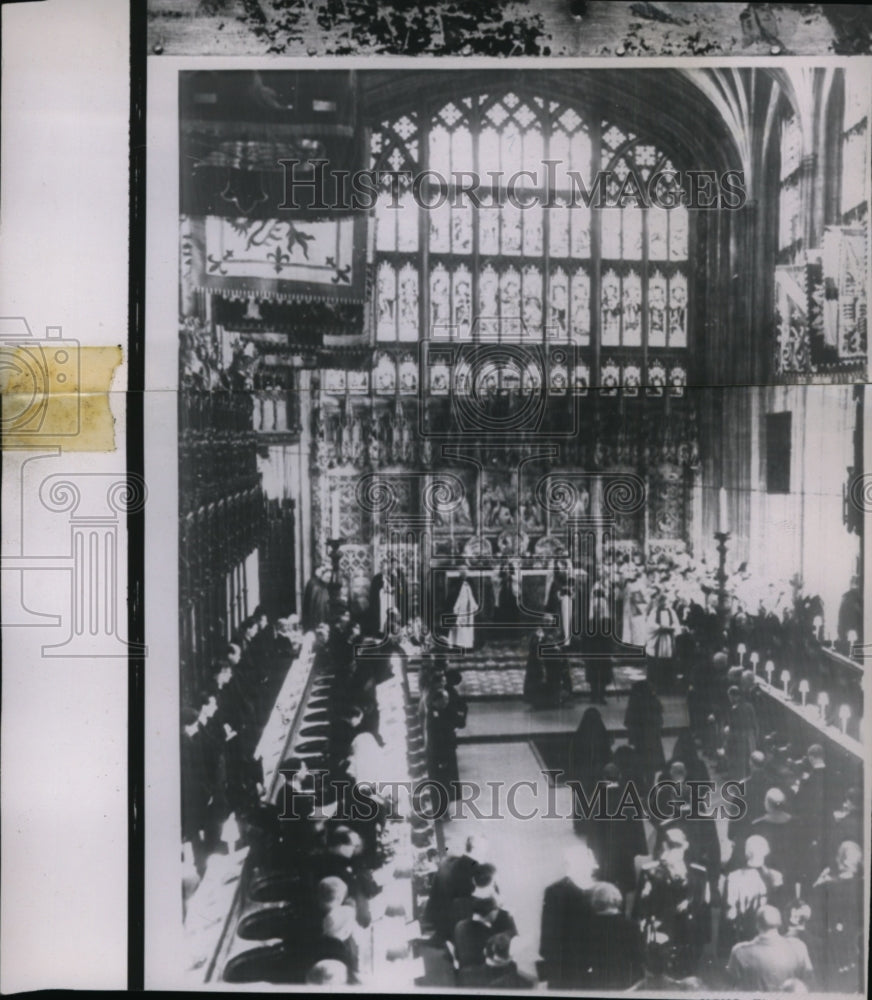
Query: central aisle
column 528, row 853
column 497, row 753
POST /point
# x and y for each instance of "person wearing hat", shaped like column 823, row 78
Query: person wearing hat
column 673, row 904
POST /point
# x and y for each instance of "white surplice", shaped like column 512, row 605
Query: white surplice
column 465, row 607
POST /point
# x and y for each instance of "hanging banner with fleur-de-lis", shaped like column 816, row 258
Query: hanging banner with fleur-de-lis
column 279, row 259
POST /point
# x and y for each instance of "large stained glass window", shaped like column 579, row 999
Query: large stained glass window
column 483, row 268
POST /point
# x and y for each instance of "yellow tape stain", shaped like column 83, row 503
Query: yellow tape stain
column 57, row 396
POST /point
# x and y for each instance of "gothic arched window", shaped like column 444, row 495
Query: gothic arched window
column 473, row 265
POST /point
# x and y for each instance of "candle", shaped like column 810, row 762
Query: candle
column 755, row 659
column 770, row 670
column 803, row 690
column 740, row 649
column 819, row 628
column 823, row 701
column 785, row 679
column 844, row 715
column 723, row 522
column 334, row 519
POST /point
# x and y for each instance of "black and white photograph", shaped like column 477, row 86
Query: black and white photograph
column 520, row 504
column 435, row 497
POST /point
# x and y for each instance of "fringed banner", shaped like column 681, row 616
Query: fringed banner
column 844, row 267
column 276, row 259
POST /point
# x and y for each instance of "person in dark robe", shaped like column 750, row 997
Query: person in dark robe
column 850, row 616
column 847, row 822
column 558, row 674
column 753, row 693
column 472, row 934
column 559, row 581
column 441, row 743
column 644, row 723
column 534, row 675
column 686, row 751
column 757, row 781
column 778, row 827
column 316, row 600
column 567, row 912
column 741, row 735
column 836, row 901
column 811, row 807
column 195, row 786
column 617, row 841
column 453, row 880
column 388, row 591
column 458, row 708
column 590, row 749
column 614, row 943
column 598, row 673
column 507, row 612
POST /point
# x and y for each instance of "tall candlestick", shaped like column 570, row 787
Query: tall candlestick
column 770, row 670
column 334, row 518
column 803, row 690
column 755, row 659
column 723, row 520
column 740, row 649
column 785, row 679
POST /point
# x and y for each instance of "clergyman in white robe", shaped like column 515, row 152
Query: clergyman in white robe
column 463, row 632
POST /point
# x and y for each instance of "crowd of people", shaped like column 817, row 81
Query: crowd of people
column 772, row 902
column 220, row 728
column 319, row 835
column 709, row 907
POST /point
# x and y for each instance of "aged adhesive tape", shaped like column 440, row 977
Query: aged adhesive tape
column 58, row 398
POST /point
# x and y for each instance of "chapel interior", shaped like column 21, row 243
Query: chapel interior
column 516, row 408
